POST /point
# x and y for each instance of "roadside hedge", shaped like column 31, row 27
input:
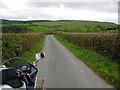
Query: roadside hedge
column 102, row 43
column 14, row 45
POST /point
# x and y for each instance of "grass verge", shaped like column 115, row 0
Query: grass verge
column 30, row 55
column 104, row 67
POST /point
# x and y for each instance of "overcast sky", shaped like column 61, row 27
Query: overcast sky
column 97, row 10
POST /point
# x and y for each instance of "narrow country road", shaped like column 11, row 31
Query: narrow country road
column 61, row 69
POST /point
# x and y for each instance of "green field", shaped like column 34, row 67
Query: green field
column 69, row 26
column 80, row 26
column 41, row 29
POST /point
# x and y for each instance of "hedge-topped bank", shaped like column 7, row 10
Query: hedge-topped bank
column 14, row 45
column 104, row 44
column 104, row 67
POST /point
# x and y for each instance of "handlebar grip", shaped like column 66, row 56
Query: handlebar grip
column 9, row 74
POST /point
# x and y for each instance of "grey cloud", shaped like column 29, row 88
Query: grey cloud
column 26, row 14
column 43, row 4
column 3, row 5
column 17, row 16
column 35, row 9
column 97, row 6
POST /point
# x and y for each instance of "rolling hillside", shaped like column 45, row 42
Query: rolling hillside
column 66, row 25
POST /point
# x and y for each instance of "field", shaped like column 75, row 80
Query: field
column 80, row 26
column 27, row 27
column 67, row 26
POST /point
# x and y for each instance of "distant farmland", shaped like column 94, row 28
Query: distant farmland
column 68, row 26
column 80, row 26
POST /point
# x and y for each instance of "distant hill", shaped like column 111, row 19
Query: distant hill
column 79, row 25
column 67, row 25
column 4, row 21
column 20, row 21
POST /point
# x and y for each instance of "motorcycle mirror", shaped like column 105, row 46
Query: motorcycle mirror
column 40, row 55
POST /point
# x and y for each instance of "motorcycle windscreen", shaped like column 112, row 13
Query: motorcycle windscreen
column 14, row 62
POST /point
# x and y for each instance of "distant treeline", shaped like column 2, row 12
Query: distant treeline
column 4, row 21
column 15, row 28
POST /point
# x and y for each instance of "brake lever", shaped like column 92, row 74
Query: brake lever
column 30, row 78
column 26, row 80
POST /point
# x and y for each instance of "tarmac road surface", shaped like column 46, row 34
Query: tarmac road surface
column 61, row 69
